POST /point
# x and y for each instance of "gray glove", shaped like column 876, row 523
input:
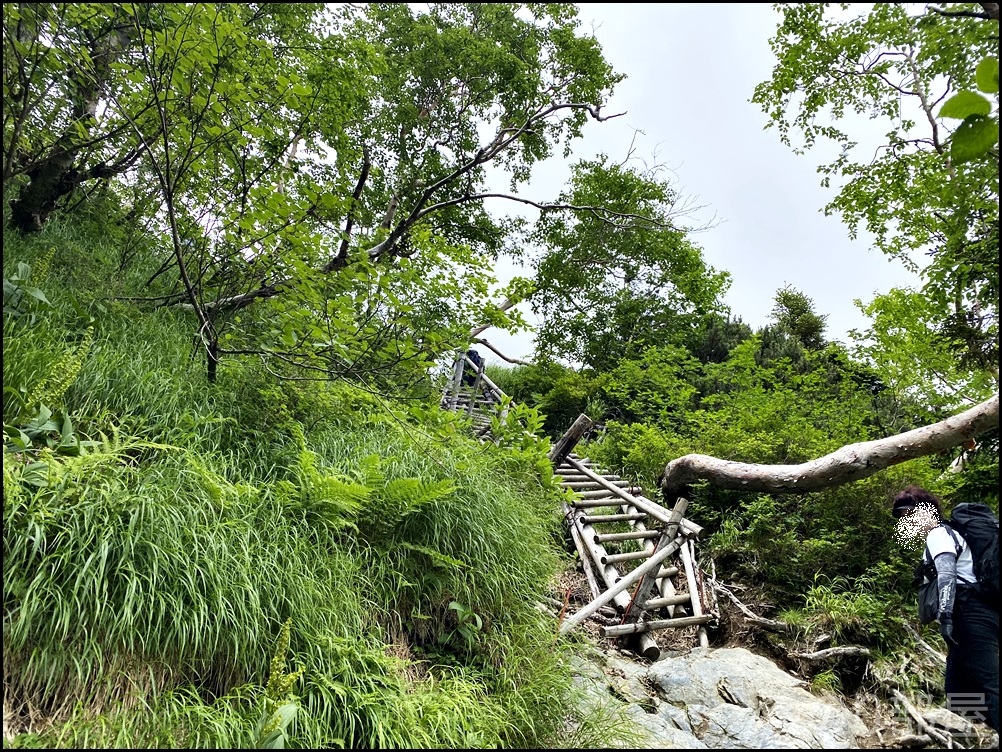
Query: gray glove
column 946, row 628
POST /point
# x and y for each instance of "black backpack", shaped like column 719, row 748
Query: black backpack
column 980, row 528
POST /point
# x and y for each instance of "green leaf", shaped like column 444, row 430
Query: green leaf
column 975, row 136
column 18, row 439
column 964, row 104
column 36, row 474
column 41, row 423
column 987, row 75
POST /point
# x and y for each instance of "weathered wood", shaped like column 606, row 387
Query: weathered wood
column 772, row 624
column 715, row 608
column 925, row 645
column 650, row 626
column 576, row 476
column 647, row 581
column 664, row 585
column 652, row 564
column 476, row 387
column 916, row 716
column 496, row 394
column 850, row 463
column 635, row 535
column 600, row 494
column 584, row 485
column 567, row 442
column 646, row 645
column 656, row 511
column 457, row 378
column 842, row 651
column 586, row 563
column 670, row 600
column 630, row 556
column 592, row 503
column 631, row 517
column 688, row 566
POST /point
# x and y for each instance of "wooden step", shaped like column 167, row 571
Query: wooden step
column 635, row 535
column 591, row 519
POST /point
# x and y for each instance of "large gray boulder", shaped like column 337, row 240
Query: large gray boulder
column 717, row 698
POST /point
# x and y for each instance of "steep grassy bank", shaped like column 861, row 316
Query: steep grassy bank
column 160, row 531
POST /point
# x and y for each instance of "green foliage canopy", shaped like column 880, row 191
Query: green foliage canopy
column 932, row 187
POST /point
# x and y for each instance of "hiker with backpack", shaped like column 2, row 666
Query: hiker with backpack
column 474, row 364
column 958, row 580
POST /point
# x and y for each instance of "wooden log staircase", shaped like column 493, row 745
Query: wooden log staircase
column 638, row 557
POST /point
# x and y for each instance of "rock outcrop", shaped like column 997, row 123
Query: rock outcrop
column 714, row 698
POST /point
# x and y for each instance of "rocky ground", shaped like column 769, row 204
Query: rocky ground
column 747, row 691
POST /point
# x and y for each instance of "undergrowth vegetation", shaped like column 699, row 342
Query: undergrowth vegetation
column 264, row 563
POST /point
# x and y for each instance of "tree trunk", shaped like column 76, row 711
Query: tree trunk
column 55, row 175
column 850, row 463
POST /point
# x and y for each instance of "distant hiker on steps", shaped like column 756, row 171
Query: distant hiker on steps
column 968, row 618
column 470, row 371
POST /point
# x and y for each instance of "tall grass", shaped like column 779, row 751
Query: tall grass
column 147, row 579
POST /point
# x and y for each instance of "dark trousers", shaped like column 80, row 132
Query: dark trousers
column 972, row 666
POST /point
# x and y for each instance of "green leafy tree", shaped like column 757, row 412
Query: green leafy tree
column 794, row 312
column 611, row 284
column 931, row 74
column 277, row 146
column 60, row 62
column 914, row 361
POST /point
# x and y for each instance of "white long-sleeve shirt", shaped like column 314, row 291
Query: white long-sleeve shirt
column 940, row 541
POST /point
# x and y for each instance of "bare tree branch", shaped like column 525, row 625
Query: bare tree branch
column 850, row 463
column 350, row 220
column 488, row 345
column 991, row 12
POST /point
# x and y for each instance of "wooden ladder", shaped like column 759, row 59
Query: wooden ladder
column 616, row 530
column 631, row 549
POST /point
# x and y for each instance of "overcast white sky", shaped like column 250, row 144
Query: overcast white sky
column 691, row 70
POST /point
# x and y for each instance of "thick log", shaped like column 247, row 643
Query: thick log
column 650, row 626
column 850, row 463
column 567, row 442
